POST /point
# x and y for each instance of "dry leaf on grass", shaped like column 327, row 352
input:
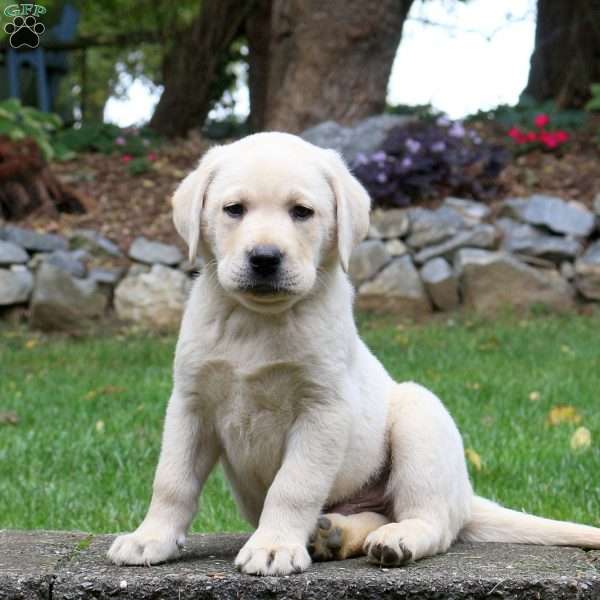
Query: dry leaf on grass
column 581, row 439
column 9, row 418
column 474, row 458
column 563, row 413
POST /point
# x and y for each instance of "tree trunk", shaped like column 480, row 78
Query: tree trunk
column 566, row 57
column 258, row 34
column 329, row 60
column 193, row 63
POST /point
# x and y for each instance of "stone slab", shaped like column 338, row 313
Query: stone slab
column 29, row 561
column 63, row 566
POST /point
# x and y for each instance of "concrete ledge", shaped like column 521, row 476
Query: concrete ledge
column 61, row 565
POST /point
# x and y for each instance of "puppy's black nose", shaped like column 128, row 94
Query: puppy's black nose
column 265, row 260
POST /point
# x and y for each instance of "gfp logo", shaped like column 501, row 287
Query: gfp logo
column 25, row 29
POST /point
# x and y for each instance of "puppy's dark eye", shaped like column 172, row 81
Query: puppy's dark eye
column 301, row 213
column 236, row 210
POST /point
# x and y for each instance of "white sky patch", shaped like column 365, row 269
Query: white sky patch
column 479, row 59
column 137, row 105
column 474, row 57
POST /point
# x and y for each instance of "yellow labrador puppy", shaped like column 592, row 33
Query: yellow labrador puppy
column 325, row 453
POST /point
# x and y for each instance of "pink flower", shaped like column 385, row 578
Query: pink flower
column 532, row 136
column 120, row 141
column 541, row 120
column 126, row 158
column 152, row 156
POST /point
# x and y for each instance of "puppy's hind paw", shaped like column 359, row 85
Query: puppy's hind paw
column 327, row 541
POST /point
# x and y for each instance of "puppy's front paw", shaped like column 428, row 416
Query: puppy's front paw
column 261, row 556
column 146, row 546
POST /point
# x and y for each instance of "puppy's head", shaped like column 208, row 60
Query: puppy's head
column 270, row 211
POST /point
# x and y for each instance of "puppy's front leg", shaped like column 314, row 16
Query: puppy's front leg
column 189, row 452
column 313, row 454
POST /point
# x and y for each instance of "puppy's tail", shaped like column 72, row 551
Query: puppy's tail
column 491, row 522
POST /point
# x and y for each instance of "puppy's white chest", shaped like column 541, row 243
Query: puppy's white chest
column 253, row 408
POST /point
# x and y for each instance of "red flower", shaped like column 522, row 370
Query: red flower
column 561, row 136
column 541, row 120
column 516, row 134
column 532, row 136
column 126, row 158
column 548, row 139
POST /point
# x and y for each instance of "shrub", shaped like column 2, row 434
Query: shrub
column 539, row 137
column 18, row 122
column 428, row 160
column 523, row 114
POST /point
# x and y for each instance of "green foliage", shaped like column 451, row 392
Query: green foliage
column 18, row 122
column 231, row 127
column 139, row 165
column 134, row 145
column 594, row 103
column 90, row 137
column 425, row 112
column 523, row 114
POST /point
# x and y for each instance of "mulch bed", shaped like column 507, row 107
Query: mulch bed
column 123, row 206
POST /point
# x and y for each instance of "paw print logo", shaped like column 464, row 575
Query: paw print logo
column 24, row 32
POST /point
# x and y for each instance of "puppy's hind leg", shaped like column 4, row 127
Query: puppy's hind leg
column 338, row 536
column 428, row 486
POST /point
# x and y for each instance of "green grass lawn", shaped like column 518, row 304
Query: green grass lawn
column 90, row 410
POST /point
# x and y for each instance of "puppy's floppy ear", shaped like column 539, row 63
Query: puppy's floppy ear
column 188, row 200
column 352, row 206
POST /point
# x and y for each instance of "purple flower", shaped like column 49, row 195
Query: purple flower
column 381, row 177
column 407, row 162
column 443, row 121
column 456, row 130
column 120, row 141
column 361, row 159
column 379, row 156
column 438, row 146
column 412, row 145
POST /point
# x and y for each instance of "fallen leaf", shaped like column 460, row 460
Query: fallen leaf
column 581, row 439
column 474, row 458
column 100, row 426
column 473, row 386
column 534, row 396
column 32, row 343
column 563, row 413
column 9, row 418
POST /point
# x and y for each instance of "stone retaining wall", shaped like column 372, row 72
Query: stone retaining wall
column 531, row 251
column 62, row 565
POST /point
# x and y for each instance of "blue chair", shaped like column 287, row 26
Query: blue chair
column 48, row 65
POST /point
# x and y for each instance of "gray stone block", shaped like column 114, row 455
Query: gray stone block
column 587, row 272
column 32, row 240
column 11, row 254
column 16, row 285
column 149, row 252
column 398, row 289
column 365, row 137
column 567, row 218
column 61, row 566
column 366, row 261
column 481, row 236
column 441, row 284
column 491, row 281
